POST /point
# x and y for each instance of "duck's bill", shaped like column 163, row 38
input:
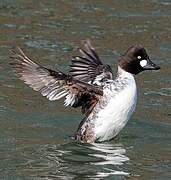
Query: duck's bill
column 151, row 66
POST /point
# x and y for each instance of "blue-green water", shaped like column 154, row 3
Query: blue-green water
column 35, row 134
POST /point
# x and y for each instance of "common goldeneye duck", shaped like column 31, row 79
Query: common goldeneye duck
column 106, row 102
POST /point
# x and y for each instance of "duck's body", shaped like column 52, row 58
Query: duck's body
column 107, row 102
column 112, row 111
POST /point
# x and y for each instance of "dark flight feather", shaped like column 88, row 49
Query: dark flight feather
column 88, row 66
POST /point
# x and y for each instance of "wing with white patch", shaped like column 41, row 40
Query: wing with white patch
column 55, row 84
column 88, row 67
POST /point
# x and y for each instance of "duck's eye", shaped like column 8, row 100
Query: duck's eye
column 143, row 63
column 139, row 57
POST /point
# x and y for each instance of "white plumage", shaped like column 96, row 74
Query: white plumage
column 120, row 101
column 69, row 100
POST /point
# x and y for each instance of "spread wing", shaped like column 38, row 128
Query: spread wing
column 88, row 67
column 55, row 84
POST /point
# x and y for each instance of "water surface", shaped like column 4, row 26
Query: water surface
column 35, row 134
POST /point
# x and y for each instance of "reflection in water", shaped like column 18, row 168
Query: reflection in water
column 113, row 154
column 110, row 154
column 74, row 160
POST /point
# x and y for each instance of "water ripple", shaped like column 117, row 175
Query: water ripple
column 88, row 161
column 74, row 160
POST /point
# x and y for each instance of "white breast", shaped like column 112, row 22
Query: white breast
column 111, row 119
